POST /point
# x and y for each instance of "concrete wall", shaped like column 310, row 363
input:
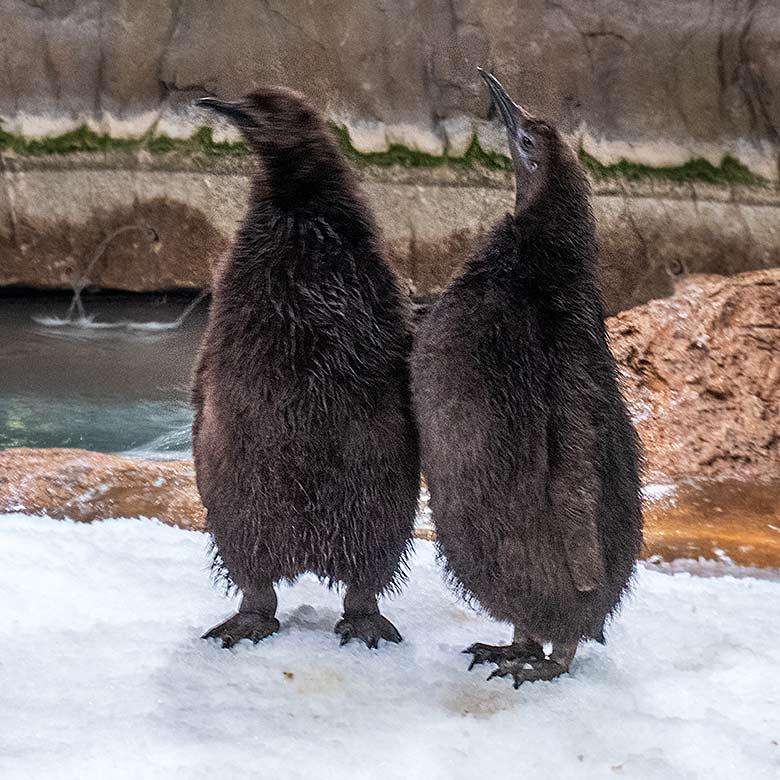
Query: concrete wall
column 657, row 81
column 651, row 233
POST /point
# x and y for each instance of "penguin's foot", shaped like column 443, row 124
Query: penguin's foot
column 529, row 670
column 243, row 625
column 368, row 628
column 525, row 651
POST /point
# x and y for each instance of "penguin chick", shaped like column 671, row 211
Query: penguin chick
column 531, row 460
column 304, row 442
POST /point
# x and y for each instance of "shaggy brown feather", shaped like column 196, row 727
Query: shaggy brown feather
column 531, row 460
column 304, row 442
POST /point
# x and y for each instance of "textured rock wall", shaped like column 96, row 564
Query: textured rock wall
column 658, row 82
column 57, row 213
column 701, row 373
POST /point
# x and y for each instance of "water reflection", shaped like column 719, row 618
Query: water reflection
column 118, row 382
column 726, row 521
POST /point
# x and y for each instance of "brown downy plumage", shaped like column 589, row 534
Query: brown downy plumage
column 531, row 460
column 305, row 447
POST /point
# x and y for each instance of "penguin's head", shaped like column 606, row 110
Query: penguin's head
column 271, row 119
column 539, row 155
column 300, row 158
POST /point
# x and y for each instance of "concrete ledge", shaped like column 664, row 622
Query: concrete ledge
column 721, row 521
column 56, row 211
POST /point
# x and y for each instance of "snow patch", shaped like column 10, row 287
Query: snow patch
column 657, row 490
column 104, row 675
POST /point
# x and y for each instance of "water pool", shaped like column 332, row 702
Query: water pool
column 115, row 382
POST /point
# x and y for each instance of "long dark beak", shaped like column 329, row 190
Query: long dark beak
column 512, row 114
column 233, row 111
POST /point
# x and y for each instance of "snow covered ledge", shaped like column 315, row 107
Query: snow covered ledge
column 107, row 676
column 729, row 522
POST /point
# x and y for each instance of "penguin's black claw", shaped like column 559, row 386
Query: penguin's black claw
column 368, row 628
column 528, row 670
column 496, row 654
column 243, row 625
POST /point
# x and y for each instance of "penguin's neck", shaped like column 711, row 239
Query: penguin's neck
column 558, row 214
column 301, row 183
column 304, row 213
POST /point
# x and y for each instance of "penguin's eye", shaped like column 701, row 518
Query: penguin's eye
column 526, row 143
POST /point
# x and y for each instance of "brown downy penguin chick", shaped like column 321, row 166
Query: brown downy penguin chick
column 304, row 441
column 531, row 460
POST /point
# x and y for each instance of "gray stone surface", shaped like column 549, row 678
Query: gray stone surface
column 55, row 213
column 656, row 82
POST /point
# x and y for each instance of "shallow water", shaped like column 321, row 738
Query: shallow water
column 722, row 521
column 117, row 382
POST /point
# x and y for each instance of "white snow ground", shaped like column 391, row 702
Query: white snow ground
column 103, row 675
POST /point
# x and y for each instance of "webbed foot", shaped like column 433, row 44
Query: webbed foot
column 527, row 650
column 525, row 659
column 243, row 625
column 529, row 670
column 368, row 628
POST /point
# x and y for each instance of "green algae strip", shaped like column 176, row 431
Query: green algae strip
column 85, row 140
column 475, row 156
column 729, row 172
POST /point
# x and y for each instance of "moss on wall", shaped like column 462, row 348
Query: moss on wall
column 730, row 171
column 85, row 140
column 202, row 142
column 410, row 158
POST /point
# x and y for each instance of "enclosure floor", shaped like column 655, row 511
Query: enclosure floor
column 105, row 676
column 730, row 521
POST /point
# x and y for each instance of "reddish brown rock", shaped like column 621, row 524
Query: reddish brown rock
column 729, row 521
column 701, row 373
column 87, row 486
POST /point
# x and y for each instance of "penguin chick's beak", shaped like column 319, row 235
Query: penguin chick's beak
column 232, row 111
column 513, row 115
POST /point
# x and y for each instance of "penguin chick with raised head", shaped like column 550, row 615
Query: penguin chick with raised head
column 305, row 447
column 531, row 460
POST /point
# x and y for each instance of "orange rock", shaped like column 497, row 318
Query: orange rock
column 87, row 486
column 701, row 374
column 708, row 519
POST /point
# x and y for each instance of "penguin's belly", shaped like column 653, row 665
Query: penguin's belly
column 506, row 553
column 489, row 476
column 336, row 497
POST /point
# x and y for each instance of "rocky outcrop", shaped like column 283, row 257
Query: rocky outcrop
column 658, row 82
column 701, row 372
column 82, row 485
column 726, row 522
column 161, row 222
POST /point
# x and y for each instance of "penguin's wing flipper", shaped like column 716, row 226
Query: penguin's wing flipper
column 574, row 493
column 574, row 501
